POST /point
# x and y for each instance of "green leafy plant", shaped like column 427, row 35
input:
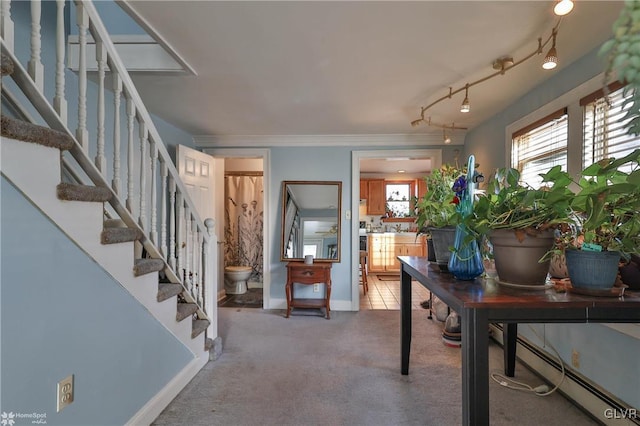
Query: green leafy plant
column 436, row 208
column 511, row 204
column 606, row 208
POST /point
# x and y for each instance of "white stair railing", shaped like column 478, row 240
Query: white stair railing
column 186, row 245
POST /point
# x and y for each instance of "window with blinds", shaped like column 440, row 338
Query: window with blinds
column 604, row 128
column 540, row 146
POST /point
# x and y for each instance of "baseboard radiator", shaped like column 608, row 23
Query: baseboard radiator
column 604, row 407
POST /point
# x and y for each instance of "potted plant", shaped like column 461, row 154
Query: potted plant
column 606, row 223
column 436, row 212
column 520, row 221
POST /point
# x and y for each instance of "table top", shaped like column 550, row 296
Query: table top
column 488, row 294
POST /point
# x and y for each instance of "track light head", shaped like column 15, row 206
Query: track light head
column 466, row 106
column 563, row 7
column 446, row 139
column 551, row 60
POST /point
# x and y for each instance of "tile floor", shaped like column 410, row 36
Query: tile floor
column 384, row 294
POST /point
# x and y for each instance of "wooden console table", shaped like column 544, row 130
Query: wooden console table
column 481, row 302
column 315, row 273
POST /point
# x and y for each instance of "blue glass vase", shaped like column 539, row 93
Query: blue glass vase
column 465, row 262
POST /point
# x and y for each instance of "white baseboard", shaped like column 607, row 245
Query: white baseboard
column 600, row 404
column 336, row 305
column 152, row 409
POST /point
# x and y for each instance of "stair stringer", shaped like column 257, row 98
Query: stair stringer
column 82, row 222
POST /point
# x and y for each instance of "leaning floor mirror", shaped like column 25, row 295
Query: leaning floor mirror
column 311, row 220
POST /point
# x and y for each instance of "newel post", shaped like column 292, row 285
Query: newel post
column 210, row 275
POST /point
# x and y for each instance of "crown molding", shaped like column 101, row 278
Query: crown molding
column 220, row 141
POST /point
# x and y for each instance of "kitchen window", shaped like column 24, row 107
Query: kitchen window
column 399, row 198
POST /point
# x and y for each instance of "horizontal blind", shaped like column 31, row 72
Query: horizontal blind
column 538, row 147
column 605, row 133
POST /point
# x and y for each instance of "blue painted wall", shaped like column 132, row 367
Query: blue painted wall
column 606, row 355
column 62, row 314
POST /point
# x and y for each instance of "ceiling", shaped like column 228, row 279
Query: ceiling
column 356, row 68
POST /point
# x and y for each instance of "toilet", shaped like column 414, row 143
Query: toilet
column 235, row 279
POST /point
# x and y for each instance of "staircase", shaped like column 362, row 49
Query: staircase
column 131, row 214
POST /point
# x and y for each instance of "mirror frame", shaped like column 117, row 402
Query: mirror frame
column 285, row 183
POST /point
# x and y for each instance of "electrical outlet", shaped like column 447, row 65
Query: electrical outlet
column 316, row 288
column 575, row 358
column 65, row 392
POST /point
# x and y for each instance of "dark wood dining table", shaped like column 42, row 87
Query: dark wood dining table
column 484, row 301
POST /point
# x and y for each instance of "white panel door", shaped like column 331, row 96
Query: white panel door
column 197, row 171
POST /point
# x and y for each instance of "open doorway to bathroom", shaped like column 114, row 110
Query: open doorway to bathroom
column 242, row 206
column 243, row 233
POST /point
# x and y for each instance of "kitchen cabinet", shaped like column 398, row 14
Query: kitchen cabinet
column 376, row 201
column 384, row 249
column 364, row 189
column 409, row 247
column 422, row 188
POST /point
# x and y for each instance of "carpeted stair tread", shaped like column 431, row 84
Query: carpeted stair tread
column 27, row 132
column 185, row 310
column 199, row 326
column 73, row 192
column 166, row 291
column 147, row 266
column 6, row 65
column 118, row 235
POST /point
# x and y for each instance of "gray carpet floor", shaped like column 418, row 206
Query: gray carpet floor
column 307, row 370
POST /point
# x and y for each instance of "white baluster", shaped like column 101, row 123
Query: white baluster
column 82, row 135
column 180, row 236
column 101, row 58
column 163, row 209
column 154, row 159
column 117, row 93
column 36, row 69
column 59, row 100
column 210, row 256
column 194, row 256
column 187, row 247
column 131, row 112
column 6, row 24
column 199, row 285
column 172, row 223
column 144, row 139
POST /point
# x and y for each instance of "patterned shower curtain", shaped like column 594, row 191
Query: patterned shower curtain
column 243, row 228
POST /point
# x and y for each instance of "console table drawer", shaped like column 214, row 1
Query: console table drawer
column 307, row 275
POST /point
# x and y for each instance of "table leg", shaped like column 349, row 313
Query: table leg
column 509, row 335
column 405, row 320
column 288, row 293
column 475, row 367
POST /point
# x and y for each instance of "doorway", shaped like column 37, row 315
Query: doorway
column 249, row 163
column 358, row 157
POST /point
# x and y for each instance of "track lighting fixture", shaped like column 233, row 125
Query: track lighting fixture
column 504, row 64
column 466, row 107
column 551, row 60
column 563, row 7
